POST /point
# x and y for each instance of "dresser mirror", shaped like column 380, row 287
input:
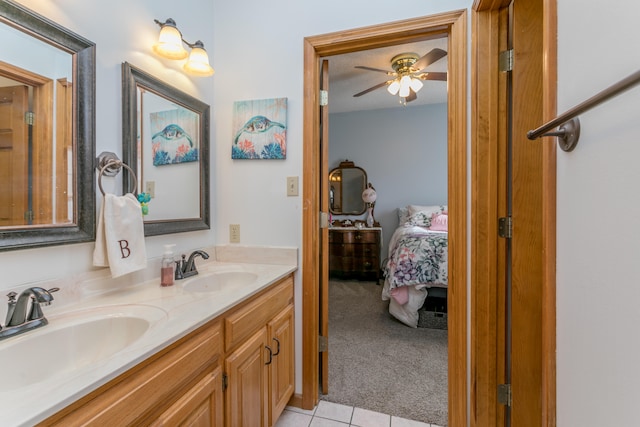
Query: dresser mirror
column 346, row 184
column 47, row 141
column 166, row 142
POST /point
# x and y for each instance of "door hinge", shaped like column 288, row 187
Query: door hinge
column 28, row 118
column 505, row 61
column 505, row 227
column 323, row 343
column 324, row 98
column 504, row 394
column 324, row 220
column 225, row 381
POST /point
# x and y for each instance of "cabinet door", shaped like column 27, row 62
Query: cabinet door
column 281, row 370
column 201, row 406
column 247, row 393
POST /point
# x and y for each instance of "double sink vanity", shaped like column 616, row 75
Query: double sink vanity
column 214, row 349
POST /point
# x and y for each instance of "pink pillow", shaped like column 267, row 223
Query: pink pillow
column 439, row 222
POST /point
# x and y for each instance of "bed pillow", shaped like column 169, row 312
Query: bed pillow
column 403, row 215
column 420, row 219
column 439, row 222
column 430, row 210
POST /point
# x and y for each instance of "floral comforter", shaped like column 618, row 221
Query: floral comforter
column 417, row 256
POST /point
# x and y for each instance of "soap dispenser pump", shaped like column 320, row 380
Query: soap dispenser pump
column 167, row 266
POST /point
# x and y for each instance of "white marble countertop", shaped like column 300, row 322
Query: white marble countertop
column 182, row 312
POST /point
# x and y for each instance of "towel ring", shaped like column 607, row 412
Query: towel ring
column 113, row 166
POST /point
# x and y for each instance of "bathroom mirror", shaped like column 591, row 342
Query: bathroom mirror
column 47, row 141
column 346, row 184
column 166, row 142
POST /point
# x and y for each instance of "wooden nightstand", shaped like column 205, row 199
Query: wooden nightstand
column 355, row 253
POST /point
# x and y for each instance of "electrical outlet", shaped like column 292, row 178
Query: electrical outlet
column 292, row 186
column 234, row 233
column 150, row 188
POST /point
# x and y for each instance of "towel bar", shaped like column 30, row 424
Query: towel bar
column 109, row 164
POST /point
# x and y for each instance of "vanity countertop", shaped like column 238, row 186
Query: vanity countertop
column 184, row 312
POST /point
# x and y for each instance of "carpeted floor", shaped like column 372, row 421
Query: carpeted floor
column 378, row 363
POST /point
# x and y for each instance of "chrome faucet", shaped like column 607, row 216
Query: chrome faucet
column 18, row 321
column 186, row 267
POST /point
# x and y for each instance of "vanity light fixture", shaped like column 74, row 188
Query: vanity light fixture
column 170, row 46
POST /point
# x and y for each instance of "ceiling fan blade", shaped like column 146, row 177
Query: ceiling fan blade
column 362, row 67
column 412, row 96
column 432, row 76
column 371, row 89
column 431, row 57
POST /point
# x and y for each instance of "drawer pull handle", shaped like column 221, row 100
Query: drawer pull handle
column 358, row 236
column 277, row 348
column 270, row 355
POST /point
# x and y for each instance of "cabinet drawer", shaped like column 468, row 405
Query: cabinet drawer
column 366, row 250
column 242, row 323
column 354, row 236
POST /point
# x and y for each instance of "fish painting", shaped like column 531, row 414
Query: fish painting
column 260, row 129
column 173, row 145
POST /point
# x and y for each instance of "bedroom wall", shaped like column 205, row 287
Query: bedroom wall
column 404, row 152
column 598, row 239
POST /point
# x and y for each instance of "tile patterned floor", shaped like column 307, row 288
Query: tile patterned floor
column 328, row 414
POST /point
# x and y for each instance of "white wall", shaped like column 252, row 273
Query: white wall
column 404, row 152
column 256, row 49
column 598, row 276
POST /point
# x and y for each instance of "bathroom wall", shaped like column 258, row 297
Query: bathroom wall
column 404, row 152
column 257, row 51
column 598, row 229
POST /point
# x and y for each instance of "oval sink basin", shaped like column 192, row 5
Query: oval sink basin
column 214, row 282
column 72, row 341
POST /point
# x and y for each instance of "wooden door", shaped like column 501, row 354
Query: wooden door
column 14, row 155
column 281, row 369
column 324, row 232
column 247, row 392
column 530, row 26
column 201, row 406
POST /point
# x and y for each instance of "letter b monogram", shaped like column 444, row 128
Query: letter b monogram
column 124, row 248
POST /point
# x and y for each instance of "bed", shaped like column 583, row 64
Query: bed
column 417, row 261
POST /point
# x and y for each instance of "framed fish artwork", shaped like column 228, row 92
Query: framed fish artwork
column 260, row 129
column 174, row 136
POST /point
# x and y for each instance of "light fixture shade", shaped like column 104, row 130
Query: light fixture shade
column 169, row 43
column 416, row 85
column 198, row 62
column 405, row 85
column 394, row 87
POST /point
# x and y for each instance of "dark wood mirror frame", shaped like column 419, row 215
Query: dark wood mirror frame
column 83, row 229
column 132, row 78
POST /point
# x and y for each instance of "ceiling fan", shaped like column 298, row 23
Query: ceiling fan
column 408, row 71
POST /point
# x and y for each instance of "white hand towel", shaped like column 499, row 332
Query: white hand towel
column 120, row 235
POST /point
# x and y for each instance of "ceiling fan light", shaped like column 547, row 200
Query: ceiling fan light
column 416, row 85
column 405, row 87
column 394, row 87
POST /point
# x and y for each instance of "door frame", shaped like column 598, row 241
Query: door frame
column 454, row 24
column 486, row 146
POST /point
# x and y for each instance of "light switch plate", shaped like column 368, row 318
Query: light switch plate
column 292, row 186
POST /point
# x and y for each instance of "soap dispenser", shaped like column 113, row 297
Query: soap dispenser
column 167, row 266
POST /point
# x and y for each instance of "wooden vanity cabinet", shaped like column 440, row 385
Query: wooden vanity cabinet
column 181, row 384
column 249, row 348
column 259, row 358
